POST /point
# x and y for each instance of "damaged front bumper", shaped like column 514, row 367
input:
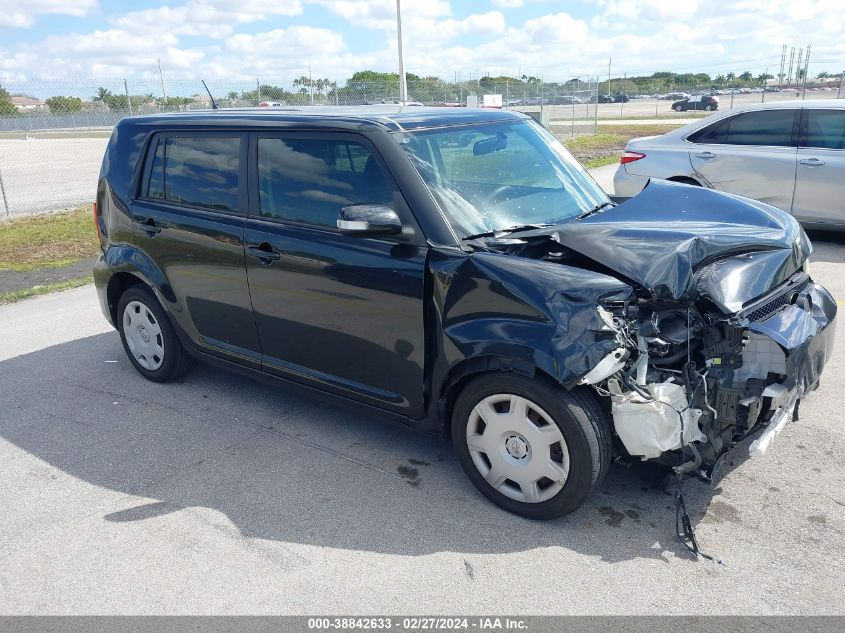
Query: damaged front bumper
column 687, row 384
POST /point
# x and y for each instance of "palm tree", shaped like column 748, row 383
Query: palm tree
column 102, row 94
column 720, row 80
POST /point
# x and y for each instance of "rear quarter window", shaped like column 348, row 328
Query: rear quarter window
column 198, row 171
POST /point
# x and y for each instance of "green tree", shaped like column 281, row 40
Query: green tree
column 61, row 105
column 6, row 106
column 746, row 76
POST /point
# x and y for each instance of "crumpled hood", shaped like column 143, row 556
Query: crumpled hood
column 664, row 236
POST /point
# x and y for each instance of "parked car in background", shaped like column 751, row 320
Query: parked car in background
column 270, row 104
column 789, row 154
column 605, row 99
column 698, row 102
column 460, row 272
column 675, row 96
column 620, row 97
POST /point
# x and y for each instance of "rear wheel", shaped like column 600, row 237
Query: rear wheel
column 678, row 108
column 148, row 337
column 709, row 108
column 530, row 446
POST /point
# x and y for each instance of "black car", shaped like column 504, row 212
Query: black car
column 458, row 271
column 707, row 103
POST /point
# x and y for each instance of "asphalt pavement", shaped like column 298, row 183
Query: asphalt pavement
column 220, row 494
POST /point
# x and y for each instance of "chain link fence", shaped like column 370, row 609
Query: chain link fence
column 53, row 133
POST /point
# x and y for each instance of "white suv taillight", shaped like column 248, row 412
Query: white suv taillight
column 630, row 157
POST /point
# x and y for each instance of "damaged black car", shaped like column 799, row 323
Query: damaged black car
column 460, row 272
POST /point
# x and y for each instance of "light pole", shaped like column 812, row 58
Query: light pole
column 403, row 82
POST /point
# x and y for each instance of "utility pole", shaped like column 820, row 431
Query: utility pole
column 161, row 77
column 608, row 76
column 782, row 62
column 310, row 86
column 806, row 70
column 798, row 68
column 128, row 100
column 841, row 79
column 403, row 82
column 258, row 89
column 789, row 72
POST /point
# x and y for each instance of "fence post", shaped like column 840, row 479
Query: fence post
column 8, row 211
column 128, row 100
column 596, row 119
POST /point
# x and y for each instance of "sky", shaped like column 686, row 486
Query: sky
column 279, row 40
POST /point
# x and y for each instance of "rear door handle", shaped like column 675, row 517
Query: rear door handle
column 811, row 162
column 705, row 155
column 264, row 252
column 149, row 227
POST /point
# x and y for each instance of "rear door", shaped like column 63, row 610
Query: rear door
column 752, row 154
column 189, row 218
column 342, row 312
column 820, row 179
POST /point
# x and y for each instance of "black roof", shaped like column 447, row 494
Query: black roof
column 393, row 117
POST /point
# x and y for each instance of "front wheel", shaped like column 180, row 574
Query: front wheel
column 530, row 446
column 148, row 337
column 709, row 108
column 677, row 108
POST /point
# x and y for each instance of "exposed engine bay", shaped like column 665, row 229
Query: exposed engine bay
column 689, row 382
column 720, row 334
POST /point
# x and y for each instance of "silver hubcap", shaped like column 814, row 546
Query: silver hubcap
column 517, row 448
column 143, row 335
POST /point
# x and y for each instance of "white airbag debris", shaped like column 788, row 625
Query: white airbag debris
column 648, row 428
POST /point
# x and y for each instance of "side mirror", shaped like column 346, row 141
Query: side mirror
column 369, row 219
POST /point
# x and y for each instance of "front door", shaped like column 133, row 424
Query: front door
column 188, row 222
column 820, row 180
column 751, row 154
column 339, row 311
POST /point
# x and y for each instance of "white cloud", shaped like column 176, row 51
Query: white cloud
column 642, row 36
column 381, row 14
column 508, row 4
column 209, row 18
column 24, row 13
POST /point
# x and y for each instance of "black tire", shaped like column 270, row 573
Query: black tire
column 678, row 108
column 576, row 413
column 708, row 108
column 176, row 361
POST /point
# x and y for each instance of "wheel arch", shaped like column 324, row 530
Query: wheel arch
column 687, row 180
column 119, row 283
column 466, row 370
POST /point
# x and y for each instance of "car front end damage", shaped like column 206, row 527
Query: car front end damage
column 687, row 382
column 718, row 335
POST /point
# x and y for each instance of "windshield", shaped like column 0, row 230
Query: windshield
column 493, row 176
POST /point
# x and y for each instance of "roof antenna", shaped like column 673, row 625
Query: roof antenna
column 214, row 105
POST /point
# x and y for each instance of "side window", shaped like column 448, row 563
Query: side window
column 310, row 180
column 767, row 127
column 825, row 129
column 200, row 171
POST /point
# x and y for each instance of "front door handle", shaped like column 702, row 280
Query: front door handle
column 149, row 227
column 811, row 162
column 705, row 155
column 264, row 252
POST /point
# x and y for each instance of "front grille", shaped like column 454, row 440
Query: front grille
column 774, row 304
